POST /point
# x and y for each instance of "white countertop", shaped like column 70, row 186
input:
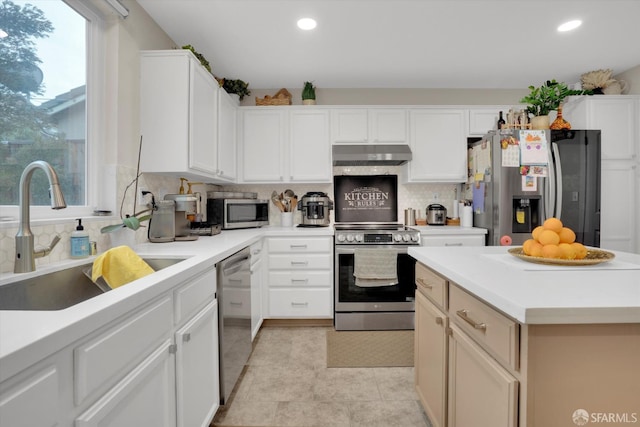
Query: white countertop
column 454, row 230
column 28, row 336
column 542, row 294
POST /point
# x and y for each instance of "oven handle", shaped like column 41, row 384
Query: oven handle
column 350, row 249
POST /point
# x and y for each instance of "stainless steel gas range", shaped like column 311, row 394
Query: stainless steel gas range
column 374, row 284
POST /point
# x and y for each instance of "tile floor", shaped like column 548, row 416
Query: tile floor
column 287, row 383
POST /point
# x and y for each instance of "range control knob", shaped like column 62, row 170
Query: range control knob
column 397, row 238
column 406, row 237
column 349, row 237
column 359, row 237
column 340, row 237
column 415, row 237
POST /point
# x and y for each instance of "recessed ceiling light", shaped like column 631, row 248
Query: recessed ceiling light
column 570, row 25
column 3, row 33
column 307, row 23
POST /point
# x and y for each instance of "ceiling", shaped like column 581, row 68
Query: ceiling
column 508, row 44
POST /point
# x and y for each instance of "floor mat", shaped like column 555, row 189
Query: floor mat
column 355, row 349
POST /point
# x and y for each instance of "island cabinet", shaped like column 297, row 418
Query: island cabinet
column 156, row 365
column 477, row 366
column 369, row 126
column 179, row 117
column 438, row 141
column 283, row 144
column 300, row 277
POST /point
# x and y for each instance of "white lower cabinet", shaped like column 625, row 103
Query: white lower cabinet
column 300, row 277
column 32, row 400
column 198, row 391
column 481, row 392
column 146, row 396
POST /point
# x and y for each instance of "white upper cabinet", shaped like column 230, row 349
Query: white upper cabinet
column 227, row 124
column 285, row 145
column 438, row 142
column 369, row 126
column 178, row 115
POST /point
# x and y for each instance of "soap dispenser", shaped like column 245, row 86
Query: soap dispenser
column 80, row 246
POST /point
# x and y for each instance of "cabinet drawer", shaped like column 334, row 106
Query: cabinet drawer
column 431, row 285
column 194, row 295
column 491, row 329
column 452, row 240
column 300, row 262
column 294, row 279
column 300, row 303
column 107, row 357
column 297, row 245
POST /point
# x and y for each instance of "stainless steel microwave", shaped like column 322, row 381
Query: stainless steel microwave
column 238, row 213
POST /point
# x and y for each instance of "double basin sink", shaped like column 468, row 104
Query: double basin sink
column 60, row 289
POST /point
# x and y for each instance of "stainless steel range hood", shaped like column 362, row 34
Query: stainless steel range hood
column 370, row 154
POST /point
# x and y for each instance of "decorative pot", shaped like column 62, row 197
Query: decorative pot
column 308, row 102
column 540, row 122
column 560, row 123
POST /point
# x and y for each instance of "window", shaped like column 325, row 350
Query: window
column 47, row 78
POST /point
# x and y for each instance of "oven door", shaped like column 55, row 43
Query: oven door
column 351, row 298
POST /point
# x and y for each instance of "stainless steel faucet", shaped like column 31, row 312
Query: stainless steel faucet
column 25, row 253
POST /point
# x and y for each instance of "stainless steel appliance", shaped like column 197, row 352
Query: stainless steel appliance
column 374, row 283
column 234, row 318
column 315, row 207
column 162, row 224
column 568, row 187
column 436, row 214
column 236, row 212
column 186, row 207
column 371, row 154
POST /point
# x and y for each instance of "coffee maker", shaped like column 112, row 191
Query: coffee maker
column 315, row 207
column 186, row 207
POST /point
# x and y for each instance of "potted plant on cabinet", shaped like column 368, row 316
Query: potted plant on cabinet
column 546, row 98
column 308, row 94
column 236, row 87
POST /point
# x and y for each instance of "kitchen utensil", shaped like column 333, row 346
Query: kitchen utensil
column 409, row 216
column 277, row 200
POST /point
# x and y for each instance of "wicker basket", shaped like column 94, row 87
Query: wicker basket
column 282, row 97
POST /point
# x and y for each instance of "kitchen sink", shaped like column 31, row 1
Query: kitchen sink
column 60, row 289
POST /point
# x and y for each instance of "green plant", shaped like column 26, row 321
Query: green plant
column 548, row 97
column 236, row 86
column 308, row 91
column 198, row 55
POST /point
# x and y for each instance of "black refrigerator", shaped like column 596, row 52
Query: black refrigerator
column 519, row 178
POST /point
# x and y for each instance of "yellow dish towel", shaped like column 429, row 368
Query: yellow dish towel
column 119, row 266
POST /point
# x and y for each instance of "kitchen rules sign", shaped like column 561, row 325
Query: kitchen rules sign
column 366, row 198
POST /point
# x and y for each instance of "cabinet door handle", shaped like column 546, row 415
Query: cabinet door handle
column 453, row 244
column 238, row 304
column 186, row 337
column 464, row 314
column 298, row 246
column 424, row 284
column 438, row 320
column 299, row 280
column 299, row 262
column 299, row 304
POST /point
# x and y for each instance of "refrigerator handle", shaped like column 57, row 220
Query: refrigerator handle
column 558, row 179
column 550, row 188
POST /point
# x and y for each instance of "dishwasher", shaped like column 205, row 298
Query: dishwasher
column 234, row 298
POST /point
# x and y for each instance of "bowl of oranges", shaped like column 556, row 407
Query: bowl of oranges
column 553, row 243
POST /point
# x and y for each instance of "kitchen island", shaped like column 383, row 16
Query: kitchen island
column 504, row 342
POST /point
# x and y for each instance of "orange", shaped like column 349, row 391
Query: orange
column 536, row 249
column 549, row 237
column 553, row 224
column 567, row 235
column 581, row 250
column 567, row 251
column 526, row 246
column 536, row 232
column 551, row 251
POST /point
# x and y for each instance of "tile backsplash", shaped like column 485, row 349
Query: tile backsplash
column 416, row 196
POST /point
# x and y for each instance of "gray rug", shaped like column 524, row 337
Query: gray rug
column 367, row 349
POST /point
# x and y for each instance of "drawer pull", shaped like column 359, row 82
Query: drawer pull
column 239, row 304
column 464, row 314
column 299, row 280
column 438, row 320
column 186, row 337
column 299, row 304
column 423, row 283
column 298, row 246
column 299, row 262
column 453, row 244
